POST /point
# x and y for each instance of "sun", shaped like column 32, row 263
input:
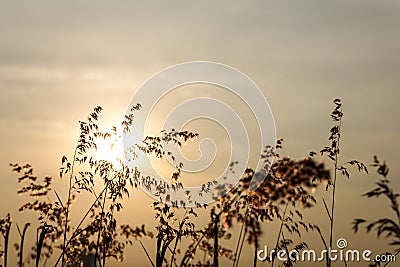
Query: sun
column 111, row 150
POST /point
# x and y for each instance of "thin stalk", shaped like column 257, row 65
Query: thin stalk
column 68, row 204
column 255, row 256
column 158, row 251
column 286, row 248
column 241, row 247
column 163, row 251
column 178, row 238
column 147, row 254
column 170, row 250
column 236, row 259
column 76, row 233
column 21, row 251
column 395, row 255
column 100, row 228
column 99, row 261
column 187, row 258
column 332, row 217
column 216, row 230
column 105, row 245
column 280, row 232
column 322, row 239
column 104, row 253
column 6, row 238
column 39, row 244
column 237, row 245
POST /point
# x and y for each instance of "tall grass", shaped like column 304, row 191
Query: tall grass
column 333, row 151
column 282, row 196
column 384, row 227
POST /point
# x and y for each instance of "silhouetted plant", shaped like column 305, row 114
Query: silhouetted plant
column 289, row 183
column 281, row 196
column 332, row 151
column 170, row 228
column 5, row 227
column 100, row 234
column 387, row 227
column 20, row 249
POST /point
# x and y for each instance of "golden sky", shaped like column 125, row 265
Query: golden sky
column 59, row 60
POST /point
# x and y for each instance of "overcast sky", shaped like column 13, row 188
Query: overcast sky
column 58, row 60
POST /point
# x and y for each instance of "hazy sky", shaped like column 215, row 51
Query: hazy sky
column 58, row 60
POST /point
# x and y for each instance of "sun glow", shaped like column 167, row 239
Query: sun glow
column 111, row 150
